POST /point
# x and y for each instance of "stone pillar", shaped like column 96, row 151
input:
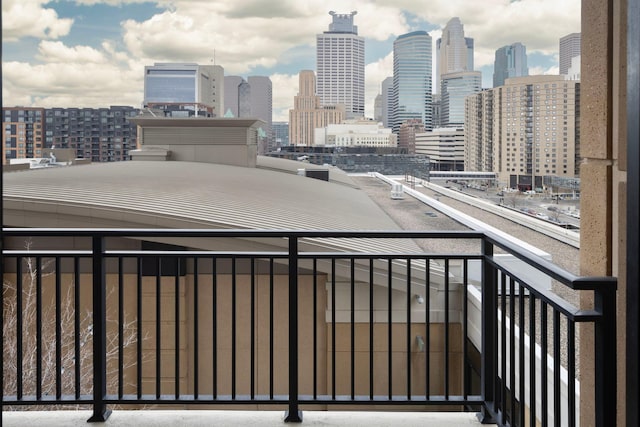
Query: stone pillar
column 603, row 175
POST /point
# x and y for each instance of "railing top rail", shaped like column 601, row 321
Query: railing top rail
column 551, row 269
column 545, row 266
column 189, row 232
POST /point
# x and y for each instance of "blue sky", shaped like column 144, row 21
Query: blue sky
column 92, row 53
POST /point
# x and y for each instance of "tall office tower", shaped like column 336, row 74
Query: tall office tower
column 340, row 65
column 185, row 87
column 411, row 96
column 387, row 94
column 307, row 113
column 511, row 61
column 377, row 108
column 455, row 88
column 237, row 97
column 454, row 51
column 526, row 148
column 261, row 102
column 569, row 48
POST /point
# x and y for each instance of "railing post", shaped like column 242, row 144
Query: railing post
column 489, row 334
column 100, row 411
column 605, row 356
column 293, row 415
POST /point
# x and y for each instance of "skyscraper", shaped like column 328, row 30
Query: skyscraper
column 237, row 99
column 411, row 96
column 511, row 61
column 261, row 101
column 454, row 51
column 387, row 94
column 185, row 86
column 569, row 48
column 455, row 88
column 340, row 65
column 307, row 114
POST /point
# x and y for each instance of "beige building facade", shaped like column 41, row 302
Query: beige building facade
column 527, row 129
column 307, row 113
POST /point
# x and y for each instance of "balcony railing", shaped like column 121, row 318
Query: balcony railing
column 115, row 317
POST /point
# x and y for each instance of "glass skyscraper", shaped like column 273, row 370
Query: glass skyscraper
column 455, row 88
column 511, row 61
column 340, row 65
column 412, row 80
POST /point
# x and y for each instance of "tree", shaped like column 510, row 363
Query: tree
column 57, row 336
column 513, row 198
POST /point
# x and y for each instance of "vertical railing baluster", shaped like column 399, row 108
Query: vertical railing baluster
column 446, row 329
column 557, row 406
column 19, row 326
column 176, row 321
column 532, row 359
column 58, row 305
column 371, row 325
column 333, row 328
column 352, row 327
column 214, row 325
column 139, row 328
column 571, row 373
column 100, row 411
column 390, row 330
column 521, row 339
column 489, row 342
column 512, row 351
column 465, row 331
column 253, row 328
column 233, row 327
column 605, row 354
column 271, row 344
column 158, row 328
column 39, row 328
column 427, row 329
column 503, row 348
column 196, row 331
column 544, row 386
column 120, row 328
column 315, row 328
column 409, row 341
column 293, row 415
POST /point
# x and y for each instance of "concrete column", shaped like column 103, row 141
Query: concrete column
column 603, row 173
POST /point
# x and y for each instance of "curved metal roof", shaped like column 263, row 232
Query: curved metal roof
column 201, row 195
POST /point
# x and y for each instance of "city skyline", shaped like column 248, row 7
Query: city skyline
column 91, row 53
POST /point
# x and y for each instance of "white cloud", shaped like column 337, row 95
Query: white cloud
column 285, row 88
column 30, row 18
column 246, row 34
column 375, row 73
column 78, row 76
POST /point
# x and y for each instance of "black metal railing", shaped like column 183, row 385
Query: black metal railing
column 95, row 317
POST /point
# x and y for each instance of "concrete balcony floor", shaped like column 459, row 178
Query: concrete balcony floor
column 154, row 418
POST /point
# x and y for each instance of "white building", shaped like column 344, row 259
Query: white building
column 444, row 147
column 185, row 86
column 340, row 65
column 353, row 133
